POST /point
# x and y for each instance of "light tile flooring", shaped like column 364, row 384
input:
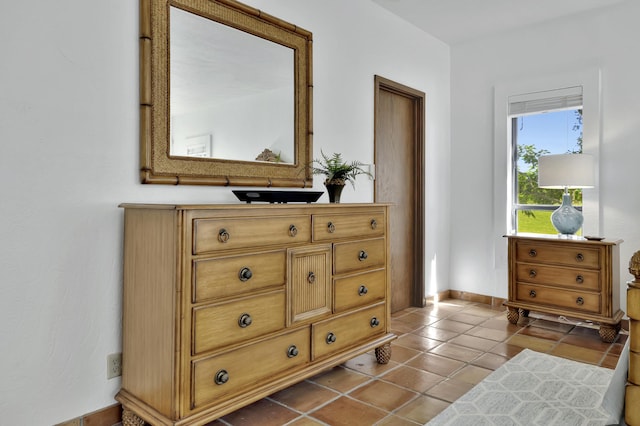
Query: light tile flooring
column 441, row 352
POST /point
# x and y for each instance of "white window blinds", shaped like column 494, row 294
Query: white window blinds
column 548, row 100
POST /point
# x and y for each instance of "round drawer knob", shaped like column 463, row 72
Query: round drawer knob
column 331, row 338
column 533, row 253
column 292, row 351
column 579, row 257
column 221, row 377
column 244, row 321
column 532, row 273
column 293, row 231
column 579, row 301
column 374, row 322
column 223, row 235
column 311, row 278
column 579, row 279
column 532, row 293
column 374, row 224
column 245, row 274
column 362, row 290
column 362, row 256
column 331, row 227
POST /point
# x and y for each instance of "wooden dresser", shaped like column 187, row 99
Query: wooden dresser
column 569, row 277
column 226, row 304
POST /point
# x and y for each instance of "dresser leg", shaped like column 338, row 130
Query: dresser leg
column 609, row 332
column 383, row 353
column 513, row 314
column 129, row 418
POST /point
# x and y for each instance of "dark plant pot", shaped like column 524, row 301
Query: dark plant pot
column 334, row 192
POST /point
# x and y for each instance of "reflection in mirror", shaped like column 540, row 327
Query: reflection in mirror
column 232, row 93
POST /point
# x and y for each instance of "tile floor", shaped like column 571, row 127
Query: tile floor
column 441, row 352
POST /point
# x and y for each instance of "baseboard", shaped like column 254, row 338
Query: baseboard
column 108, row 416
column 494, row 302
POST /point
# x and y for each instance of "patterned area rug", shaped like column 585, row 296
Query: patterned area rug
column 534, row 389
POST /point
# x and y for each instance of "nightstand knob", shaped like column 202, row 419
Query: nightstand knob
column 580, row 301
column 221, row 377
column 292, row 351
column 331, row 227
column 244, row 321
column 374, row 322
column 362, row 290
column 223, row 235
column 532, row 273
column 293, row 231
column 245, row 274
column 533, row 253
column 532, row 293
column 579, row 279
column 579, row 257
column 331, row 338
column 362, row 256
column 311, row 278
column 374, row 224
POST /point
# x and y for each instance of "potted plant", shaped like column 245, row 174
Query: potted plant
column 338, row 173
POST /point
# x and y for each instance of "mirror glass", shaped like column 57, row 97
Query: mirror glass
column 226, row 96
column 232, row 93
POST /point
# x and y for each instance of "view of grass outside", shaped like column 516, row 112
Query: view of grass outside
column 538, row 223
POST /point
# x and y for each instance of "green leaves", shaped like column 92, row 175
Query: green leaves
column 337, row 170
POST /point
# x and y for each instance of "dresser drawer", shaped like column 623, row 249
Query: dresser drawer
column 336, row 226
column 214, row 234
column 358, row 255
column 565, row 254
column 347, row 330
column 219, row 325
column 563, row 277
column 309, row 283
column 570, row 299
column 232, row 275
column 359, row 290
column 219, row 377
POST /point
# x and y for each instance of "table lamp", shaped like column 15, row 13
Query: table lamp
column 564, row 171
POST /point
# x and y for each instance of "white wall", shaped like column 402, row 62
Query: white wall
column 69, row 130
column 604, row 40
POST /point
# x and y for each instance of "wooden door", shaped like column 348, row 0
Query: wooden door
column 399, row 159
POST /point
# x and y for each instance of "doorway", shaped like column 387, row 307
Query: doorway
column 399, row 122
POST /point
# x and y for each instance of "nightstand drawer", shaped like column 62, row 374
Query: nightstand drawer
column 216, row 326
column 235, row 275
column 358, row 255
column 575, row 300
column 566, row 254
column 213, row 234
column 563, row 277
column 220, row 377
column 336, row 226
column 359, row 290
column 341, row 332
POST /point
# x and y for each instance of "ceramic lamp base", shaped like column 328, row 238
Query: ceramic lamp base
column 566, row 219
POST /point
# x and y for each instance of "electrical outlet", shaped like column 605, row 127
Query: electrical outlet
column 114, row 365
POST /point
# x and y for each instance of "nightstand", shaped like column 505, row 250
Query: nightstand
column 562, row 276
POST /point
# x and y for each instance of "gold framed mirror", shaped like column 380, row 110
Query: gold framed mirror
column 225, row 96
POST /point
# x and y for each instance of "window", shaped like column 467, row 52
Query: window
column 542, row 123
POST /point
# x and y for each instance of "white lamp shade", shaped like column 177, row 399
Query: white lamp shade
column 566, row 171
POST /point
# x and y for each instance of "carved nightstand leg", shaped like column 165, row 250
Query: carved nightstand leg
column 513, row 314
column 524, row 313
column 383, row 353
column 129, row 418
column 609, row 332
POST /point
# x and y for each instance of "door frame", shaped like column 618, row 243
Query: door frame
column 419, row 100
